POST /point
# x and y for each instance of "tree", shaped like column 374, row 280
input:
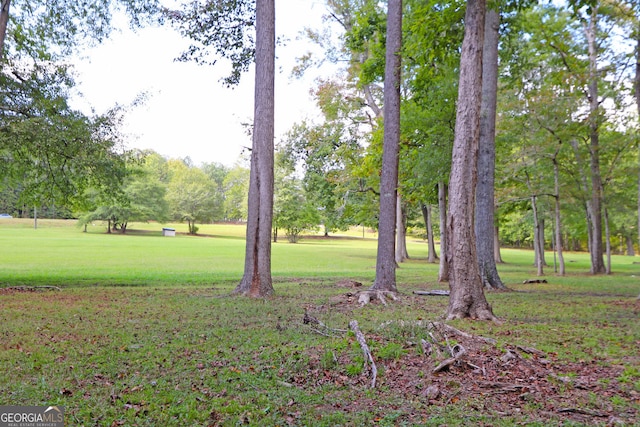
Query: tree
column 191, row 194
column 236, row 188
column 385, row 262
column 485, row 200
column 54, row 151
column 256, row 281
column 292, row 210
column 467, row 297
column 226, row 28
column 43, row 31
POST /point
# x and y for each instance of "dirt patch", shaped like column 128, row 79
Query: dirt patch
column 512, row 381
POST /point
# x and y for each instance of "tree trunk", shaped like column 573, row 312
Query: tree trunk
column 585, row 189
column 431, row 248
column 401, row 232
column 485, row 220
column 257, row 281
column 637, row 94
column 385, row 262
column 4, row 19
column 443, row 272
column 607, row 240
column 558, row 230
column 596, row 250
column 541, row 241
column 467, row 297
column 496, row 245
column 630, row 250
column 537, row 250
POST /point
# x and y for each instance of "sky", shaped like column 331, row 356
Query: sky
column 189, row 112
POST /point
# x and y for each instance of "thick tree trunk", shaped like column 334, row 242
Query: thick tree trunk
column 428, row 223
column 630, row 249
column 257, row 281
column 467, row 297
column 596, row 250
column 485, row 219
column 443, row 272
column 4, row 20
column 385, row 262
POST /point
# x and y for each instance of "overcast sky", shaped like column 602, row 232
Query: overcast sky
column 189, row 112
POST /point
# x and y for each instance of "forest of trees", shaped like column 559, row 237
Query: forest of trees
column 521, row 116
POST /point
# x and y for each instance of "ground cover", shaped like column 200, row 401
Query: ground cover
column 143, row 331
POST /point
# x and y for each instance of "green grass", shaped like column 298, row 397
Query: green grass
column 144, row 331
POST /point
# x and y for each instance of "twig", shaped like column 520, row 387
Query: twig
column 368, row 358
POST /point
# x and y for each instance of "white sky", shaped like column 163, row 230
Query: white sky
column 189, row 111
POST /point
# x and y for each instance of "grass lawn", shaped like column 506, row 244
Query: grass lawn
column 144, row 332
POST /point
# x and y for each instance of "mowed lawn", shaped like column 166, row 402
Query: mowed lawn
column 144, row 331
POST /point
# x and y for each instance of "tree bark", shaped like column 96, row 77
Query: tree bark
column 401, row 232
column 4, row 20
column 596, row 250
column 385, row 262
column 431, row 248
column 467, row 297
column 496, row 245
column 443, row 272
column 257, row 281
column 485, row 197
column 630, row 250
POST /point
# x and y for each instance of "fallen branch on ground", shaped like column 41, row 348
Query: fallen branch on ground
column 368, row 358
column 582, row 411
column 531, row 350
column 435, row 292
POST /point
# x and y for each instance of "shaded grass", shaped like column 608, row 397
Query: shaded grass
column 170, row 347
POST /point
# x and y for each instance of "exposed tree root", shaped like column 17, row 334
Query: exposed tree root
column 365, row 297
column 457, row 352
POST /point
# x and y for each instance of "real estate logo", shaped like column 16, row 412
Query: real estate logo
column 31, row 416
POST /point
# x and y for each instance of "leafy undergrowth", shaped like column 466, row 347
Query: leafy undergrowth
column 194, row 356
